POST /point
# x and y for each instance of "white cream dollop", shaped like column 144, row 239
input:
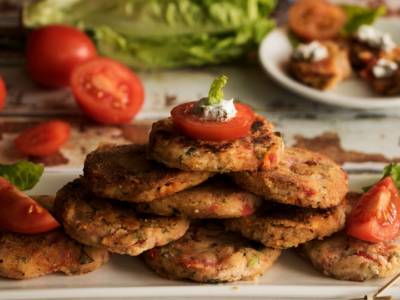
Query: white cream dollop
column 313, row 51
column 221, row 112
column 375, row 38
column 384, row 68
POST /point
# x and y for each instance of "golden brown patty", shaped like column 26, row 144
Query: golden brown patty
column 124, row 173
column 25, row 256
column 324, row 74
column 347, row 258
column 283, row 226
column 302, row 178
column 112, row 225
column 217, row 198
column 209, row 254
column 262, row 148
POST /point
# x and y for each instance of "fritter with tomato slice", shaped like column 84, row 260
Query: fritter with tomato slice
column 283, row 226
column 261, row 148
column 123, row 172
column 323, row 74
column 112, row 225
column 302, row 178
column 209, row 254
column 347, row 258
column 383, row 73
column 24, row 256
column 316, row 20
column 217, row 198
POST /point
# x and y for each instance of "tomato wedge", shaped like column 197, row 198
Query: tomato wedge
column 3, row 94
column 107, row 91
column 316, row 20
column 20, row 213
column 43, row 139
column 376, row 216
column 193, row 126
column 53, row 51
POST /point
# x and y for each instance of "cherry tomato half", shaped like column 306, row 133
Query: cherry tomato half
column 20, row 213
column 316, row 20
column 3, row 94
column 107, row 91
column 194, row 127
column 43, row 139
column 53, row 51
column 376, row 216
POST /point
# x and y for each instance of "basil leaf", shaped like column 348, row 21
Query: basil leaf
column 359, row 15
column 23, row 174
column 393, row 170
column 216, row 93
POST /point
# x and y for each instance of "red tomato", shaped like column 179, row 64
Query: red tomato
column 316, row 20
column 20, row 213
column 376, row 216
column 194, row 127
column 107, row 91
column 3, row 94
column 53, row 51
column 43, row 139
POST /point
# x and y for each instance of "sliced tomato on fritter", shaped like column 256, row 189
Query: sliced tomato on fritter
column 107, row 91
column 192, row 125
column 43, row 139
column 20, row 213
column 316, row 19
column 376, row 215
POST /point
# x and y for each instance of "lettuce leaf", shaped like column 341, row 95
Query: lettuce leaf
column 162, row 33
column 359, row 15
column 23, row 174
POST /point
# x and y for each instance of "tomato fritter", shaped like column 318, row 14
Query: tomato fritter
column 324, row 74
column 217, row 198
column 209, row 254
column 283, row 226
column 261, row 149
column 124, row 173
column 302, row 178
column 24, row 256
column 346, row 258
column 110, row 224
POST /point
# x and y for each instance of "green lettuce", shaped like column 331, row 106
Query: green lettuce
column 23, row 174
column 359, row 15
column 162, row 33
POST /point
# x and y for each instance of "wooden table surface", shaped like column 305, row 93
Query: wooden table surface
column 361, row 140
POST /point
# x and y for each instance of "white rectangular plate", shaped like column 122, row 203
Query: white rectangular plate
column 128, row 277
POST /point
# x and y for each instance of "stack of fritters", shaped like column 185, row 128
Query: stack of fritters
column 204, row 211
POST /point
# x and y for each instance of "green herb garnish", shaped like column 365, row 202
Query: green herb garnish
column 23, row 174
column 255, row 260
column 393, row 170
column 359, row 15
column 216, row 93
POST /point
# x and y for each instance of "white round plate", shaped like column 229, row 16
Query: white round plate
column 275, row 51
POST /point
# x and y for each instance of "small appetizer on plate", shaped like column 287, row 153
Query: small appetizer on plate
column 368, row 44
column 320, row 65
column 383, row 73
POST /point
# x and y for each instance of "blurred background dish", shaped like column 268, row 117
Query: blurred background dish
column 275, row 51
